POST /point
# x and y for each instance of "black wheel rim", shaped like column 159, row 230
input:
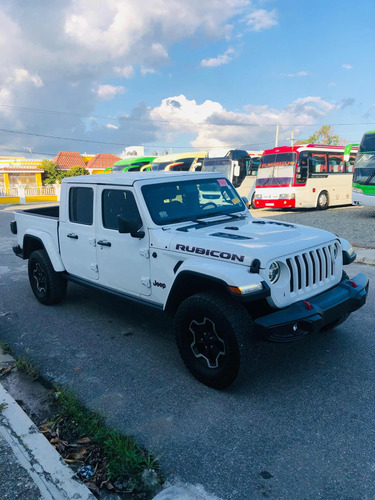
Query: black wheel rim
column 207, row 346
column 40, row 278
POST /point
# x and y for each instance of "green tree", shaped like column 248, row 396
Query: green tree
column 52, row 172
column 323, row 136
column 77, row 170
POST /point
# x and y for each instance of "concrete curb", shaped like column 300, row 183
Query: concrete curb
column 365, row 255
column 42, row 462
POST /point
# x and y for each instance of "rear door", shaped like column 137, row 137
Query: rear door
column 123, row 260
column 77, row 232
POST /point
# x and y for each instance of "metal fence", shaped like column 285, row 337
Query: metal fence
column 22, row 191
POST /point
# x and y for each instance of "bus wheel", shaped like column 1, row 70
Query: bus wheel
column 252, row 204
column 322, row 203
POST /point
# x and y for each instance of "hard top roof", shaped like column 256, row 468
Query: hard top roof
column 129, row 178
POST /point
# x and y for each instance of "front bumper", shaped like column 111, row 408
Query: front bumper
column 277, row 203
column 304, row 317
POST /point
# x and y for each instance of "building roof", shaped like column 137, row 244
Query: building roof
column 20, row 165
column 102, row 161
column 68, row 159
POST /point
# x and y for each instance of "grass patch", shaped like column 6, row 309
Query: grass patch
column 120, row 462
column 3, row 406
column 24, row 365
column 5, row 347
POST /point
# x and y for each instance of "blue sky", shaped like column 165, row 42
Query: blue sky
column 172, row 74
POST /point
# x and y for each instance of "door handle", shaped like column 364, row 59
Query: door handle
column 72, row 235
column 104, row 243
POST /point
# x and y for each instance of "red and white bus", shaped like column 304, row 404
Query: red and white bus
column 304, row 176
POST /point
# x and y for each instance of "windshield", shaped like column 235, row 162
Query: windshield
column 180, row 201
column 364, row 171
column 367, row 143
column 183, row 164
column 276, row 169
column 214, row 165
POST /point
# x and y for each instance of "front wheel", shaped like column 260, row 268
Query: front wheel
column 48, row 286
column 214, row 337
column 322, row 202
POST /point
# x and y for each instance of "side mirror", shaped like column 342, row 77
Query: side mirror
column 236, row 169
column 132, row 226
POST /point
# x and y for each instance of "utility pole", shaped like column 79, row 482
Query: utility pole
column 277, row 136
column 292, row 139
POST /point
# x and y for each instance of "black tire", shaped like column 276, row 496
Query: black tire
column 322, row 202
column 48, row 286
column 213, row 324
column 252, row 204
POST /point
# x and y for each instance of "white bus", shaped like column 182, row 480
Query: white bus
column 304, row 176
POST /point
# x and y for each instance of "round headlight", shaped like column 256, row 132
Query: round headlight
column 274, row 272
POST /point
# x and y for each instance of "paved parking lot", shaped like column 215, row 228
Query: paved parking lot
column 300, row 426
column 353, row 223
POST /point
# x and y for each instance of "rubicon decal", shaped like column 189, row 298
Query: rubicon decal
column 212, row 253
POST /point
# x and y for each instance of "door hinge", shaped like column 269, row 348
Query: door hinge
column 145, row 252
column 95, row 268
column 92, row 241
column 146, row 282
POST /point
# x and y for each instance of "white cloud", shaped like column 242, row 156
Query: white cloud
column 107, row 92
column 125, row 71
column 214, row 126
column 219, row 60
column 110, row 125
column 261, row 19
column 347, row 66
column 294, row 75
column 21, row 75
column 145, row 71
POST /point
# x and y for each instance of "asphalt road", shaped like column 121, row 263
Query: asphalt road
column 300, row 426
column 350, row 222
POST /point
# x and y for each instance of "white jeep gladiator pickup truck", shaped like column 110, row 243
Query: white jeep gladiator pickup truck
column 186, row 243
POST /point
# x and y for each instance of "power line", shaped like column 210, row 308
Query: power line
column 45, row 136
column 234, row 124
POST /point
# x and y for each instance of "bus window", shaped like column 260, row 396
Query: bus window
column 318, row 164
column 335, row 163
column 350, row 164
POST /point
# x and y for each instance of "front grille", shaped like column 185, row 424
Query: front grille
column 314, row 267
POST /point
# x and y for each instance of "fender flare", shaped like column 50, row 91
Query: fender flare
column 48, row 244
column 188, row 280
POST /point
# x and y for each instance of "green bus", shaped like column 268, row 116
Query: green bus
column 133, row 164
column 364, row 171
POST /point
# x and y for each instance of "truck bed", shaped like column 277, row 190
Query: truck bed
column 49, row 211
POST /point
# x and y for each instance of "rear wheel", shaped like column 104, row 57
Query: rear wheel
column 322, row 202
column 214, row 338
column 48, row 286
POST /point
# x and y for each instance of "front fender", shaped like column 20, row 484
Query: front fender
column 197, row 275
column 49, row 245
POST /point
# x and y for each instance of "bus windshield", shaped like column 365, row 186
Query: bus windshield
column 367, row 143
column 223, row 166
column 276, row 169
column 364, row 172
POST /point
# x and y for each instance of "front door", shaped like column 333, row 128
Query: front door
column 123, row 260
column 77, row 233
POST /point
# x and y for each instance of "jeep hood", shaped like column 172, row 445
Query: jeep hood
column 242, row 241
